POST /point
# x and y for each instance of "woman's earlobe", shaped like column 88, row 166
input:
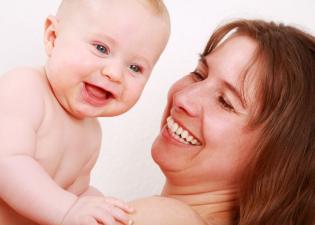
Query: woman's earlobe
column 50, row 34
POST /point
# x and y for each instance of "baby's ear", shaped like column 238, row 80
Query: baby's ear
column 50, row 34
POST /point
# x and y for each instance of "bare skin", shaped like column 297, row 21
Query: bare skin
column 203, row 167
column 49, row 134
column 159, row 210
column 67, row 163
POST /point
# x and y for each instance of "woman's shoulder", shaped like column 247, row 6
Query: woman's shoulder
column 159, row 210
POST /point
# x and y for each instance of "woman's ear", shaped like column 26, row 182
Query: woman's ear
column 50, row 34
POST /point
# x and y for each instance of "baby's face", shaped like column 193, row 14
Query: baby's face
column 102, row 54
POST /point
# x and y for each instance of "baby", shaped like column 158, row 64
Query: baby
column 100, row 54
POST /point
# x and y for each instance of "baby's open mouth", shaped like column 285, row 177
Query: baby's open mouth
column 97, row 92
column 96, row 96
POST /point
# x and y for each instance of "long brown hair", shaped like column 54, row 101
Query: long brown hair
column 279, row 185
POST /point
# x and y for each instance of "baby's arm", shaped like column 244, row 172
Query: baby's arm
column 27, row 188
column 92, row 191
column 25, row 185
column 84, row 180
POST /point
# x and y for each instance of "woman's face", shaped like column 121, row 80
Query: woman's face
column 206, row 140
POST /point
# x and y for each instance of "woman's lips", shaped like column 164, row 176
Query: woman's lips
column 174, row 138
column 180, row 134
column 96, row 96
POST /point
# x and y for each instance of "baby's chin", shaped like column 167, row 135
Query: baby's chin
column 106, row 111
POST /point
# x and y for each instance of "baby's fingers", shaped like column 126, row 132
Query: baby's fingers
column 104, row 217
column 118, row 214
column 92, row 221
column 119, row 204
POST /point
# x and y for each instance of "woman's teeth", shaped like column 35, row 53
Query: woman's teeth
column 180, row 133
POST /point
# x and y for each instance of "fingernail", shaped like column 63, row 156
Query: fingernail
column 130, row 222
column 131, row 210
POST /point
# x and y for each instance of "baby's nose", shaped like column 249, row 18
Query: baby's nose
column 113, row 73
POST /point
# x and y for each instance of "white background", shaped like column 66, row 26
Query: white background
column 125, row 168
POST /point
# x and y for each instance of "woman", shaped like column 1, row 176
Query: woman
column 238, row 133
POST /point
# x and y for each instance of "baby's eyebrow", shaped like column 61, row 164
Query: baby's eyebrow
column 143, row 61
column 105, row 37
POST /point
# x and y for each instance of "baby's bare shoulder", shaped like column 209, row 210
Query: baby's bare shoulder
column 161, row 210
column 23, row 76
column 21, row 94
column 21, row 84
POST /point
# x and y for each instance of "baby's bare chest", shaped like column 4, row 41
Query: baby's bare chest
column 66, row 147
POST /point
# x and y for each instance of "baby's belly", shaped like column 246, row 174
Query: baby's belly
column 9, row 217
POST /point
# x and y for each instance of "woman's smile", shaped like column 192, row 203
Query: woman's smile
column 180, row 133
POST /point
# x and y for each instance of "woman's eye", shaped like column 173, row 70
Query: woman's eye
column 197, row 75
column 102, row 49
column 135, row 68
column 226, row 105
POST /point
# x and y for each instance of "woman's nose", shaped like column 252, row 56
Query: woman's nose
column 113, row 72
column 188, row 100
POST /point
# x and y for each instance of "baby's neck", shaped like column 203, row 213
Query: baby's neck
column 216, row 207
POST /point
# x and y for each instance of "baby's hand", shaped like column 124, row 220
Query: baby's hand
column 90, row 210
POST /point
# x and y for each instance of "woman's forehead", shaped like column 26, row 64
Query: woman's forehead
column 237, row 49
column 234, row 62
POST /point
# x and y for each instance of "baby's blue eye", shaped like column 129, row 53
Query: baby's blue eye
column 135, row 68
column 102, row 49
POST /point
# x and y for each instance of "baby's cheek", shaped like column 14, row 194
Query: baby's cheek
column 132, row 99
column 134, row 92
column 79, row 64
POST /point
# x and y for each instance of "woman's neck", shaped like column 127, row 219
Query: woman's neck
column 216, row 207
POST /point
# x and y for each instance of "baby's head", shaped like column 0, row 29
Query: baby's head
column 101, row 53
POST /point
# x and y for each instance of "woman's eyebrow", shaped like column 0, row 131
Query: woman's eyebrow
column 235, row 92
column 203, row 61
